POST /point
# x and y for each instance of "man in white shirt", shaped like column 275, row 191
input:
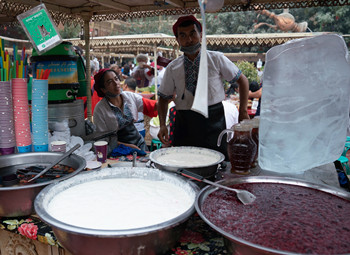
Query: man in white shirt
column 180, row 79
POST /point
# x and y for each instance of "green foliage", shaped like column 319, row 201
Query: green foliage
column 249, row 70
column 70, row 32
column 150, row 25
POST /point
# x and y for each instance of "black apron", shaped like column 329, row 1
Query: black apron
column 129, row 134
column 193, row 129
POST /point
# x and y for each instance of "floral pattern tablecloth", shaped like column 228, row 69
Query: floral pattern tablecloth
column 197, row 239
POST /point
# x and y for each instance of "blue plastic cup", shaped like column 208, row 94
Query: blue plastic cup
column 24, row 149
column 39, row 148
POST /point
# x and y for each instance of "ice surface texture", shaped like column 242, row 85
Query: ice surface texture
column 305, row 104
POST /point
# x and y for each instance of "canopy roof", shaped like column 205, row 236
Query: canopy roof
column 75, row 11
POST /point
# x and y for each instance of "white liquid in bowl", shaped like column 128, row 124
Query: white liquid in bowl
column 187, row 159
column 120, row 203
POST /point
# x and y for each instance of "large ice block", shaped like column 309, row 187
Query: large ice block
column 305, row 104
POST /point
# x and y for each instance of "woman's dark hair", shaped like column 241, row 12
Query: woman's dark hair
column 254, row 86
column 99, row 81
column 126, row 70
column 131, row 83
column 232, row 89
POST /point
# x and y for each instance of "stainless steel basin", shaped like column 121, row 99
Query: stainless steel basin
column 19, row 200
column 235, row 244
column 154, row 239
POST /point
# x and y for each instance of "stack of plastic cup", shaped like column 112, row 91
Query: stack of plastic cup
column 40, row 128
column 7, row 133
column 21, row 115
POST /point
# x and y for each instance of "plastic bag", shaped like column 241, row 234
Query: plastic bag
column 305, row 104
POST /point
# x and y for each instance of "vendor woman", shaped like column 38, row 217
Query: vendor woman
column 118, row 110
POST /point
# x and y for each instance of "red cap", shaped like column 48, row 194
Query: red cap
column 99, row 81
column 182, row 20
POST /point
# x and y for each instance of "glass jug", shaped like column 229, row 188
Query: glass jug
column 241, row 148
column 255, row 136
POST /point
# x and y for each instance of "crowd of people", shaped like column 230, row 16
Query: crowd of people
column 117, row 106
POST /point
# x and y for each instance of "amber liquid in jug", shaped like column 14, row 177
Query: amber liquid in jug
column 255, row 136
column 241, row 149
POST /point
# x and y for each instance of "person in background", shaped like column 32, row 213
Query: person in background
column 256, row 91
column 256, row 94
column 160, row 74
column 94, row 65
column 126, row 70
column 118, row 110
column 259, row 69
column 231, row 114
column 232, row 90
column 130, row 85
column 180, row 78
column 118, row 70
column 254, row 86
column 143, row 73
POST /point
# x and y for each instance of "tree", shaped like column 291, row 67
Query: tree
column 70, row 32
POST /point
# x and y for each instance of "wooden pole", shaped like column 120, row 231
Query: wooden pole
column 155, row 72
column 103, row 60
column 86, row 18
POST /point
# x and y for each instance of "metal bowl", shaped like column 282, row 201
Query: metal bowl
column 205, row 170
column 236, row 245
column 154, row 239
column 19, row 200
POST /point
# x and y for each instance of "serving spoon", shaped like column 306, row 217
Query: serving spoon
column 243, row 195
column 58, row 160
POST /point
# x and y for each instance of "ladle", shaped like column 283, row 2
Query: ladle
column 59, row 159
column 244, row 196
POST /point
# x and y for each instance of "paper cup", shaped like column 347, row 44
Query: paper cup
column 58, row 146
column 7, row 151
column 39, row 148
column 101, row 150
column 24, row 149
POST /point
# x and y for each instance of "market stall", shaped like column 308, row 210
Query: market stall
column 198, row 237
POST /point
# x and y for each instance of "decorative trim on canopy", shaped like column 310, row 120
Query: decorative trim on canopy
column 269, row 39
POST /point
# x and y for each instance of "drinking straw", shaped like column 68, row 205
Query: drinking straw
column 24, row 75
column 17, row 71
column 46, row 74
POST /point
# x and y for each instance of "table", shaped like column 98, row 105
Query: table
column 30, row 236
